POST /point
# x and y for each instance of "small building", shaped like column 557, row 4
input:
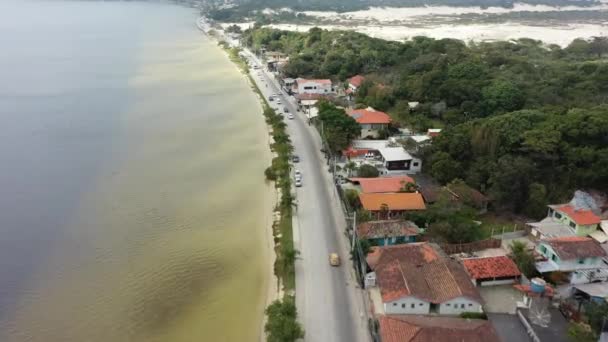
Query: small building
column 391, row 205
column 397, row 160
column 388, row 232
column 596, row 292
column 400, row 328
column 316, row 86
column 382, row 184
column 584, row 221
column 460, row 192
column 354, row 83
column 498, row 270
column 372, row 121
column 433, row 132
column 579, row 257
column 549, row 228
column 419, row 279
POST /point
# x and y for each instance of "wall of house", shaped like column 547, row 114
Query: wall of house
column 582, row 277
column 372, row 130
column 459, row 305
column 407, row 306
column 498, row 282
column 393, row 240
column 314, row 88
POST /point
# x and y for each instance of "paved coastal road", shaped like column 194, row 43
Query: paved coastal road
column 329, row 303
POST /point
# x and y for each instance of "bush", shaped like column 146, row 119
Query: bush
column 270, row 174
column 368, row 171
column 474, row 315
column 352, row 197
column 282, row 324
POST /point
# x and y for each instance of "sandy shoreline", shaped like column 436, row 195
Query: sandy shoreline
column 272, row 291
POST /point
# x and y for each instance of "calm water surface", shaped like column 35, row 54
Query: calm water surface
column 132, row 202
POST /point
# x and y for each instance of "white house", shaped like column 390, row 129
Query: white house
column 579, row 257
column 321, row 86
column 354, row 83
column 396, row 160
column 417, row 278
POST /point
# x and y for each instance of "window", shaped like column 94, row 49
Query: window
column 403, row 306
column 554, row 257
column 413, row 306
column 394, row 304
column 543, row 249
column 558, row 215
column 420, row 304
column 572, row 224
column 470, row 304
column 581, row 261
column 462, row 306
column 448, row 304
column 415, row 163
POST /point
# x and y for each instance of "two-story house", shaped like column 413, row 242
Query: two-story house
column 372, row 121
column 579, row 257
column 418, row 278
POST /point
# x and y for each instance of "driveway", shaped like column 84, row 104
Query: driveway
column 330, row 304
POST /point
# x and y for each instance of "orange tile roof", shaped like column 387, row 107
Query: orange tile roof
column 414, row 328
column 356, row 80
column 580, row 216
column 394, row 201
column 383, row 184
column 574, row 247
column 364, row 116
column 491, row 267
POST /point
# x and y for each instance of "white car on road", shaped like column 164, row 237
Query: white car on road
column 290, row 116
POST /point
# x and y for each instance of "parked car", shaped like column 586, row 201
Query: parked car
column 279, row 102
column 290, row 116
column 334, row 259
column 298, row 183
column 286, row 110
column 270, row 98
column 295, row 158
column 298, row 174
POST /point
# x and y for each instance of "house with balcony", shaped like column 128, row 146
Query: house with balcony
column 396, row 160
column 372, row 121
column 581, row 258
column 419, row 279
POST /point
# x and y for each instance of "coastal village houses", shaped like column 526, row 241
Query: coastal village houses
column 419, row 279
column 384, row 206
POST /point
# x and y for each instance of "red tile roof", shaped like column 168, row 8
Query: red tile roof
column 422, row 273
column 580, row 216
column 394, row 201
column 365, row 116
column 413, row 328
column 574, row 247
column 383, row 184
column 387, row 228
column 356, row 80
column 491, row 267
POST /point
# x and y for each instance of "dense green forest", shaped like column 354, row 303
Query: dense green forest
column 250, row 8
column 524, row 122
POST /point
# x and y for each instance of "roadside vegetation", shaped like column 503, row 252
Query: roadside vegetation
column 281, row 324
column 522, row 122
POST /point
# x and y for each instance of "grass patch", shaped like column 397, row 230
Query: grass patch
column 493, row 224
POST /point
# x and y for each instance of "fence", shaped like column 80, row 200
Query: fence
column 470, row 247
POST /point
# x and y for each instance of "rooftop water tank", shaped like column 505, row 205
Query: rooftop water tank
column 537, row 285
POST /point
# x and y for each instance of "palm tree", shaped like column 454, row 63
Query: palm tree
column 350, row 167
